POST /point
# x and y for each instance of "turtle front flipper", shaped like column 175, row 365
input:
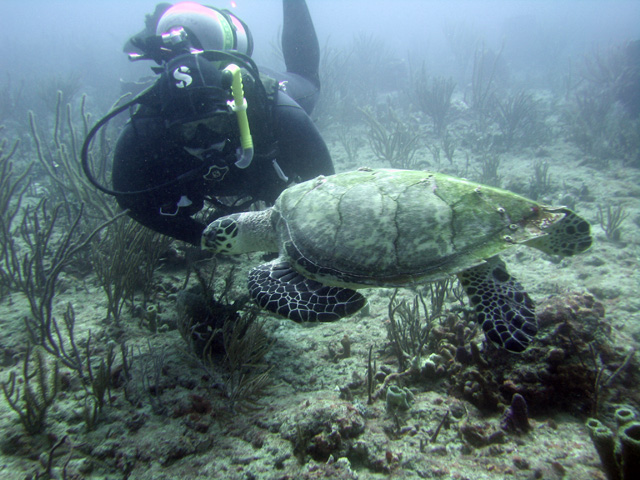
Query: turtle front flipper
column 503, row 308
column 278, row 288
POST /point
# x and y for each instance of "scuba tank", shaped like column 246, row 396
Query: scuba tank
column 196, row 86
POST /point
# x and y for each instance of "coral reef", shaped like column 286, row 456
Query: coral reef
column 323, row 428
column 562, row 370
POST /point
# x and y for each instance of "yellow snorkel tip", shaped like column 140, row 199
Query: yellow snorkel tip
column 239, row 106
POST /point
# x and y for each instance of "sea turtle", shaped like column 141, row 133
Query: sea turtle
column 390, row 228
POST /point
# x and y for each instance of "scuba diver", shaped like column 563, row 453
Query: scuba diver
column 213, row 128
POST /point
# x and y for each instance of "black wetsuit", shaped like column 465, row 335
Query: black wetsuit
column 147, row 155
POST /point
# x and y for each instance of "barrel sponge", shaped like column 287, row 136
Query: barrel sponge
column 516, row 417
column 629, row 437
column 398, row 398
column 624, row 415
column 605, row 443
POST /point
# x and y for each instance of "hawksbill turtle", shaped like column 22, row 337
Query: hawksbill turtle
column 392, row 228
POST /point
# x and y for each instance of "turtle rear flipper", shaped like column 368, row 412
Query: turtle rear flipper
column 503, row 308
column 278, row 288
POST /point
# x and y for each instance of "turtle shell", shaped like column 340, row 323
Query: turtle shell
column 396, row 227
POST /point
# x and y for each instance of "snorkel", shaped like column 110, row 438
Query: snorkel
column 239, row 106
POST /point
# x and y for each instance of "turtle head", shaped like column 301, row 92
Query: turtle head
column 240, row 233
column 565, row 233
column 221, row 236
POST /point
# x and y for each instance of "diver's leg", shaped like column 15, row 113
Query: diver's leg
column 299, row 41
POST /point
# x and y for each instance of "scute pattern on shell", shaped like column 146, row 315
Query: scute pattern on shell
column 393, row 227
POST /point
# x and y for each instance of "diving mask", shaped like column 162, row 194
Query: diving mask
column 220, row 124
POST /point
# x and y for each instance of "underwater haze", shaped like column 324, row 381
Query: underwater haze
column 125, row 354
column 85, row 39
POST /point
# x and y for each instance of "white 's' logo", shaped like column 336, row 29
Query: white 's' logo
column 180, row 74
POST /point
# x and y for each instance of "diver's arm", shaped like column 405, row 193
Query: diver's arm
column 175, row 222
column 140, row 162
column 180, row 227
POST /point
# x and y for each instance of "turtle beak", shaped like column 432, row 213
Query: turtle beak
column 219, row 236
column 565, row 232
column 549, row 216
column 210, row 238
column 205, row 241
